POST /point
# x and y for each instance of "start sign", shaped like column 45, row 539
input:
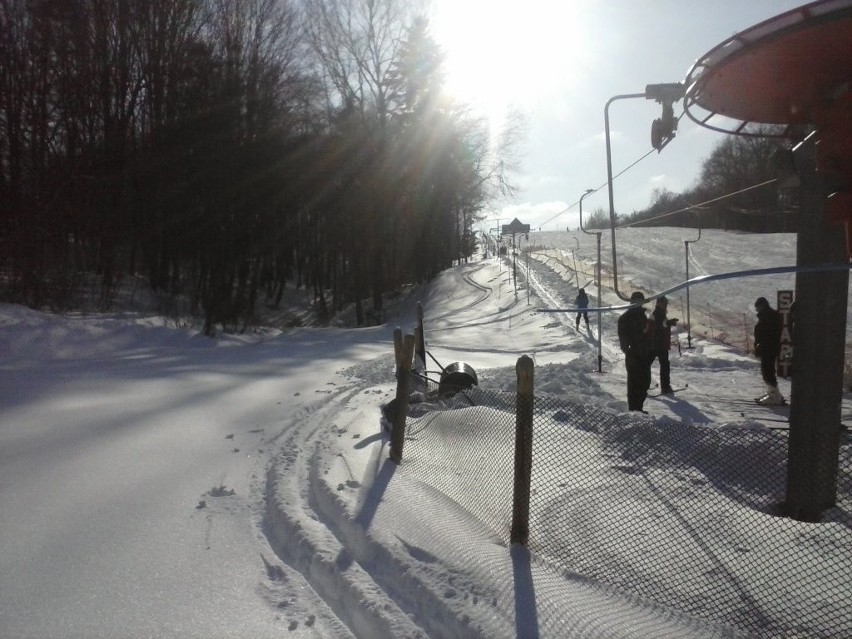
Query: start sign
column 786, row 309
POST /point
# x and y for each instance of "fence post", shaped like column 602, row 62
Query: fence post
column 419, row 337
column 523, row 452
column 402, row 380
column 397, row 349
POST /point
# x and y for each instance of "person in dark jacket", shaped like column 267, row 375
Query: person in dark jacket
column 662, row 342
column 582, row 303
column 635, row 342
column 767, row 346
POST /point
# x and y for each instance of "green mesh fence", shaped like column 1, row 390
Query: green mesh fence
column 684, row 516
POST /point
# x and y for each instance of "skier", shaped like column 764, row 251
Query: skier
column 582, row 303
column 662, row 342
column 767, row 345
column 635, row 342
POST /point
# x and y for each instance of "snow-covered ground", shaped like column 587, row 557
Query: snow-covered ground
column 155, row 483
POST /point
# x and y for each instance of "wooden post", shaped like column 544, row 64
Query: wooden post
column 397, row 349
column 523, row 452
column 820, row 339
column 402, row 381
column 419, row 336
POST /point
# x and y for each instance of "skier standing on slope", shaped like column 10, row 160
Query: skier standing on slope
column 582, row 302
column 767, row 346
column 662, row 342
column 635, row 342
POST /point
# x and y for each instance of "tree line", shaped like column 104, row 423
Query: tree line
column 226, row 149
column 736, row 190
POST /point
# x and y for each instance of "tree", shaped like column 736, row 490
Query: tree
column 599, row 219
column 737, row 183
column 734, row 172
column 740, row 162
column 454, row 164
column 356, row 44
column 223, row 147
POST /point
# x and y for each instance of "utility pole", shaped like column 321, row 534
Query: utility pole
column 598, row 269
column 686, row 244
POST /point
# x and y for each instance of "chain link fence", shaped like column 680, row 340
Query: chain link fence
column 684, row 516
column 464, row 446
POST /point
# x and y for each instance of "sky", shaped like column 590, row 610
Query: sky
column 158, row 483
column 559, row 63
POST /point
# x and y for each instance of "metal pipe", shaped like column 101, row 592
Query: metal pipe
column 514, row 265
column 576, row 272
column 666, row 94
column 626, row 96
column 598, row 270
column 688, row 319
column 686, row 244
column 701, row 279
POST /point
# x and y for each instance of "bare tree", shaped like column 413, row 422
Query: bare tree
column 356, row 44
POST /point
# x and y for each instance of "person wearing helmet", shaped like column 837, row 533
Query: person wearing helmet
column 767, row 346
column 635, row 342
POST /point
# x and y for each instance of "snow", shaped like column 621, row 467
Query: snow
column 156, row 483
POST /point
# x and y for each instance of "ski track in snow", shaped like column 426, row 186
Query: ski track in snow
column 319, row 518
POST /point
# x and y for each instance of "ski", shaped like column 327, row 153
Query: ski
column 749, row 402
column 762, row 417
column 781, row 405
column 674, row 390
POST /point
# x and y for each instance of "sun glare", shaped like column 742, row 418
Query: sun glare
column 504, row 55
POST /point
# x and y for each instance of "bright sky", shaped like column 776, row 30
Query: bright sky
column 560, row 62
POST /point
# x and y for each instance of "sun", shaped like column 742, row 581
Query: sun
column 501, row 55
